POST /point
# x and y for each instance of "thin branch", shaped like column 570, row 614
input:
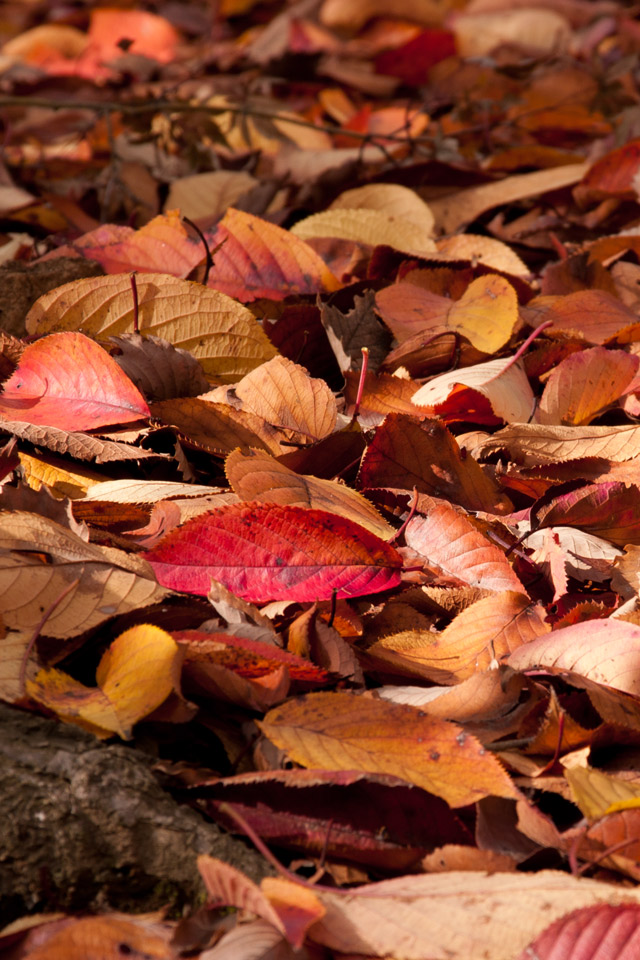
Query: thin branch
column 182, row 106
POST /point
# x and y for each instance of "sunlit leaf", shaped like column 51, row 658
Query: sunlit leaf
column 266, row 552
column 338, row 731
column 68, row 381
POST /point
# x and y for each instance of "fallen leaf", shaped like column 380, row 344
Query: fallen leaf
column 223, row 335
column 389, row 198
column 606, row 651
column 607, row 510
column 257, row 476
column 372, row 227
column 479, row 638
column 136, row 674
column 267, row 552
column 484, row 393
column 283, row 394
column 406, row 453
column 110, row 581
column 67, row 381
column 542, row 31
column 163, row 244
column 533, row 444
column 464, row 206
column 451, row 545
column 338, row 731
column 584, row 385
column 605, row 930
column 259, row 259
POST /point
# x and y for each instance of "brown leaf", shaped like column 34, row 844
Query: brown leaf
column 157, row 368
column 217, row 426
column 255, row 475
column 81, row 446
column 406, row 453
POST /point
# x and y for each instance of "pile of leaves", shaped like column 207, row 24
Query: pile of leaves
column 333, row 452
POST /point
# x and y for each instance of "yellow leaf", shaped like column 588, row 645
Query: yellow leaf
column 136, row 674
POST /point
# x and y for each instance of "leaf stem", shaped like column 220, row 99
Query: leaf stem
column 136, row 303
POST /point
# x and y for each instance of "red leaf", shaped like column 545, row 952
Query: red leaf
column 412, row 61
column 612, row 176
column 607, row 510
column 267, row 552
column 68, row 381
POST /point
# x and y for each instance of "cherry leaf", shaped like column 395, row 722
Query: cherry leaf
column 265, row 552
column 339, row 731
column 68, row 381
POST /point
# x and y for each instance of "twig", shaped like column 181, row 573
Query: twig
column 181, row 106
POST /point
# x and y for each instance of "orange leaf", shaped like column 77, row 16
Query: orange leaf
column 148, row 34
column 340, row 731
column 483, row 634
column 259, row 259
column 68, row 381
column 161, row 246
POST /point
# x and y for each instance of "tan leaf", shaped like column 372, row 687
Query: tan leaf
column 405, row 454
column 372, row 227
column 221, row 333
column 456, row 914
column 487, row 250
column 146, row 491
column 255, row 475
column 389, row 198
column 351, row 15
column 464, row 206
column 282, row 393
column 111, row 582
column 544, row 31
column 532, row 444
column 208, row 195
